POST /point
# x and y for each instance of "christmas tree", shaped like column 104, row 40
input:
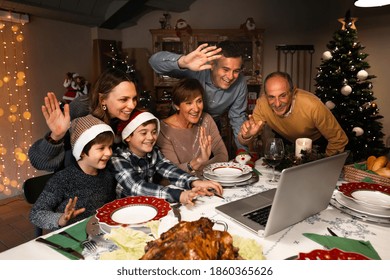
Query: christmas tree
column 345, row 86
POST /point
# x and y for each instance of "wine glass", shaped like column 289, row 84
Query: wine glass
column 273, row 154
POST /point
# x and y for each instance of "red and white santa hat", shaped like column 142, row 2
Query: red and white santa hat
column 83, row 130
column 136, row 119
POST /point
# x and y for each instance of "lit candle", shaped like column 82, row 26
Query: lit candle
column 302, row 144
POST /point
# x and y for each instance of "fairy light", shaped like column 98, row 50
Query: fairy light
column 15, row 116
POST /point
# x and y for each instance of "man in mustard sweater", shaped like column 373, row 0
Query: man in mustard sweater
column 294, row 113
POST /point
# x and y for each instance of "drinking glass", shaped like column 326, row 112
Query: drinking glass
column 273, row 154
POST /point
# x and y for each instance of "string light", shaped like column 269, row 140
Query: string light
column 15, row 116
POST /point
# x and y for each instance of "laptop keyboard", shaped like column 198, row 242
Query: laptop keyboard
column 259, row 216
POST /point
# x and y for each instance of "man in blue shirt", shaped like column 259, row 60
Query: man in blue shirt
column 218, row 68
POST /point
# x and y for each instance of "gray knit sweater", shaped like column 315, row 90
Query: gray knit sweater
column 52, row 157
column 92, row 192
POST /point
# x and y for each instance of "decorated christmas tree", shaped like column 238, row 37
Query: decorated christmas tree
column 344, row 85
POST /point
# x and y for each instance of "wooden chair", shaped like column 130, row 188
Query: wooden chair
column 32, row 188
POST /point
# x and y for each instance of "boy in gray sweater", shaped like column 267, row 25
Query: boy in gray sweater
column 77, row 191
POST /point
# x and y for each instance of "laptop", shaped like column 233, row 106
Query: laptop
column 302, row 191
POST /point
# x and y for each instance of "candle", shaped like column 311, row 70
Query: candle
column 302, row 144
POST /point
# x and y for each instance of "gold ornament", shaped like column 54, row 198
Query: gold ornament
column 21, row 75
column 13, row 108
column 19, row 82
column 6, row 78
column 14, row 28
column 12, row 118
column 14, row 183
column 27, row 115
column 20, row 38
column 3, row 151
column 6, row 181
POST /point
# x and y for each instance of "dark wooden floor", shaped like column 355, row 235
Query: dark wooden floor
column 15, row 228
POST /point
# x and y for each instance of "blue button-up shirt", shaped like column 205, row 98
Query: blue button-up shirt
column 217, row 100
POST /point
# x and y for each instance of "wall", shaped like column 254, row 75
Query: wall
column 52, row 49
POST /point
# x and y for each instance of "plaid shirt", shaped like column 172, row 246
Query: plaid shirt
column 135, row 174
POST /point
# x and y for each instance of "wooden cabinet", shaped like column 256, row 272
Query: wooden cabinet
column 251, row 43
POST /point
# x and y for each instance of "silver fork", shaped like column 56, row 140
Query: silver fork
column 91, row 243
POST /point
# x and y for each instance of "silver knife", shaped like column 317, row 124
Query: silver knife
column 66, row 234
column 215, row 193
column 176, row 211
column 59, row 247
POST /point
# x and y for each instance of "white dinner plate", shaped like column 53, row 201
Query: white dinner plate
column 130, row 211
column 221, row 180
column 358, row 207
column 227, row 170
column 368, row 194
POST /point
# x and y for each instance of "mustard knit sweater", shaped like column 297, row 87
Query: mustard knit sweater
column 309, row 118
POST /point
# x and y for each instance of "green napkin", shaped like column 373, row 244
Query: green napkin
column 257, row 171
column 77, row 231
column 367, row 180
column 346, row 244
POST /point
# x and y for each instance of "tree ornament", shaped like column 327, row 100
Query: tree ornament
column 330, row 105
column 327, row 55
column 358, row 131
column 362, row 75
column 346, row 90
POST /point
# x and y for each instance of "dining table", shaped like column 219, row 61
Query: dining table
column 285, row 244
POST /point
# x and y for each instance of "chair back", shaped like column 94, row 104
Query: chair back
column 33, row 187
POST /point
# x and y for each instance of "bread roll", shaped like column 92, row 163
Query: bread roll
column 379, row 163
column 388, row 164
column 384, row 171
column 370, row 162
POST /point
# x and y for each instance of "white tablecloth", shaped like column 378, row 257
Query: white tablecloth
column 284, row 244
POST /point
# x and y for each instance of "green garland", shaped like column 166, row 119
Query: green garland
column 290, row 159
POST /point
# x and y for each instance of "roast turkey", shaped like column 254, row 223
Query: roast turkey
column 192, row 241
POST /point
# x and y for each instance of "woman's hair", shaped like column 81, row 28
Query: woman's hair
column 186, row 90
column 106, row 82
column 102, row 138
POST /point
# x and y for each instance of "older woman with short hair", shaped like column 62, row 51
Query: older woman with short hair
column 190, row 138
